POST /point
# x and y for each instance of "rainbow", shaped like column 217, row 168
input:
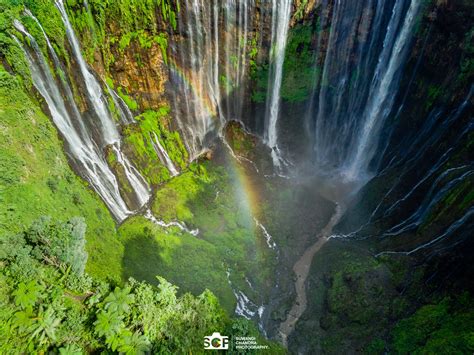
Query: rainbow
column 191, row 83
column 247, row 191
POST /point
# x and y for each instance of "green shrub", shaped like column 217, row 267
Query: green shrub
column 46, row 308
column 445, row 327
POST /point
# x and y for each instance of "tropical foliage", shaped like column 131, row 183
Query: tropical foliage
column 48, row 303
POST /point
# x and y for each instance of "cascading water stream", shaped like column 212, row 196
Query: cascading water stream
column 126, row 115
column 82, row 148
column 435, row 194
column 210, row 90
column 138, row 182
column 381, row 96
column 361, row 48
column 110, row 135
column 65, row 86
column 281, row 11
column 364, row 60
column 149, row 215
column 57, row 63
column 437, row 178
column 365, row 54
column 163, row 155
column 210, row 67
column 94, row 91
column 332, row 128
column 85, row 148
column 190, row 71
column 362, row 63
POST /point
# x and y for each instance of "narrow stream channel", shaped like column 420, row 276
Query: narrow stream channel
column 301, row 270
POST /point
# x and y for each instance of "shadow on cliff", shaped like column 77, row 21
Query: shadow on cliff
column 141, row 259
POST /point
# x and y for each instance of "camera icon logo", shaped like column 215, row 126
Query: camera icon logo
column 216, row 341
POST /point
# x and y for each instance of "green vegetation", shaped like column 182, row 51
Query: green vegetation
column 185, row 260
column 51, row 22
column 129, row 101
column 242, row 143
column 107, row 316
column 36, row 180
column 361, row 290
column 253, row 53
column 350, row 289
column 434, row 92
column 172, row 201
column 445, row 327
column 227, row 84
column 108, row 27
column 467, row 62
column 299, row 13
column 62, row 285
column 145, row 42
column 341, row 299
column 260, row 87
column 47, row 303
column 299, row 70
column 207, row 197
column 139, row 139
column 455, row 203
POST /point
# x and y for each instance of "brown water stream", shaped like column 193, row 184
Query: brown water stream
column 301, row 270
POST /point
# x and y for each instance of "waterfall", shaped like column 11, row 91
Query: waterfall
column 94, row 91
column 84, row 137
column 381, row 96
column 268, row 238
column 163, row 155
column 137, row 182
column 48, row 42
column 110, row 135
column 439, row 189
column 209, row 67
column 454, row 227
column 126, row 115
column 211, row 91
column 149, row 215
column 245, row 307
column 361, row 61
column 80, row 144
column 333, row 127
column 365, row 56
column 190, row 73
column 281, row 11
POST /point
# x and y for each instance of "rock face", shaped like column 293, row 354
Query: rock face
column 139, row 69
column 145, row 78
